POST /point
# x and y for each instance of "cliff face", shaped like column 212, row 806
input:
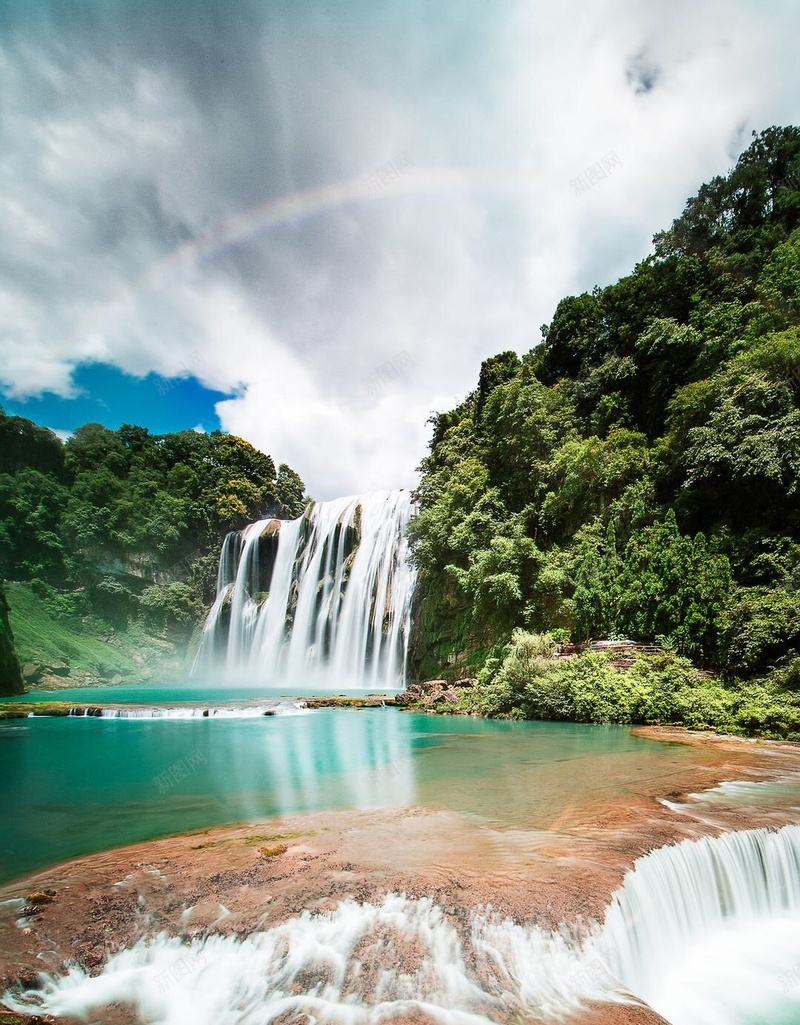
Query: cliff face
column 10, row 675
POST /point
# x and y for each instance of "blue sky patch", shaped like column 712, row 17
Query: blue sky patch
column 112, row 398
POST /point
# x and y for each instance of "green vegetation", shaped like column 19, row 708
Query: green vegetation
column 339, row 701
column 117, row 534
column 22, row 709
column 531, row 681
column 10, row 675
column 58, row 648
column 254, row 841
column 635, row 475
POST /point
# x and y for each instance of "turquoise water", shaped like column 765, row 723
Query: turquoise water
column 160, row 694
column 77, row 785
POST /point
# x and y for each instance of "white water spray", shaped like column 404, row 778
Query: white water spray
column 323, row 600
column 708, row 931
column 705, row 931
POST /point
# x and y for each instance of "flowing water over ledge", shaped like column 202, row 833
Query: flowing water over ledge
column 707, row 932
column 322, row 599
column 457, row 814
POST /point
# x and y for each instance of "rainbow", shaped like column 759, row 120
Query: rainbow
column 246, row 225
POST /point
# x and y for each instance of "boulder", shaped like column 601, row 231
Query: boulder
column 432, row 692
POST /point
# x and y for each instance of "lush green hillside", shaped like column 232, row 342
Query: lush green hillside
column 636, row 474
column 116, row 535
column 10, row 676
column 58, row 648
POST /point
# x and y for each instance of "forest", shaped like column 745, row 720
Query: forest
column 115, row 535
column 635, row 475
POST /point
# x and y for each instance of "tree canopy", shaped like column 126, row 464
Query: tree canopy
column 111, row 512
column 637, row 473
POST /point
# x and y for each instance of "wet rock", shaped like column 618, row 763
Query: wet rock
column 41, row 897
column 30, row 980
column 270, row 529
column 12, row 1018
column 411, row 695
column 56, row 669
column 432, row 692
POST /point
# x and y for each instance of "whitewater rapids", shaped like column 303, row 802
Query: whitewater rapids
column 707, row 932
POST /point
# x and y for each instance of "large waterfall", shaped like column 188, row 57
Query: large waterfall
column 707, row 932
column 320, row 601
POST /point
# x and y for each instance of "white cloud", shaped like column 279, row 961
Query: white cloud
column 118, row 155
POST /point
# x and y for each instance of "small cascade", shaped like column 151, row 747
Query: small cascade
column 323, row 600
column 249, row 711
column 707, row 932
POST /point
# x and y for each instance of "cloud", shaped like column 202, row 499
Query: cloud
column 134, row 136
column 642, row 73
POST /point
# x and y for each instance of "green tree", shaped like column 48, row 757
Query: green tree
column 170, row 607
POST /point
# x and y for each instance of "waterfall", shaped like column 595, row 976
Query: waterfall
column 706, row 931
column 323, row 600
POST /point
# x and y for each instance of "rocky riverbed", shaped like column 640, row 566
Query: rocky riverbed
column 237, row 881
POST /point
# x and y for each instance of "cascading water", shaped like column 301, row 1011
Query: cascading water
column 323, row 600
column 706, row 931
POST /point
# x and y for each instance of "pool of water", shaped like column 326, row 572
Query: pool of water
column 77, row 785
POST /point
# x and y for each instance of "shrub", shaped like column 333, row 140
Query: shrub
column 596, row 691
column 528, row 659
column 169, row 607
column 706, row 706
column 655, row 681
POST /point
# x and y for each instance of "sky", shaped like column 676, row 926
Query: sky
column 307, row 222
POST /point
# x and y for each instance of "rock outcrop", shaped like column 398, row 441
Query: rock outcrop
column 434, row 694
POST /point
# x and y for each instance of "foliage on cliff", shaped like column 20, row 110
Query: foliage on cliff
column 637, row 473
column 10, row 676
column 126, row 524
column 59, row 647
